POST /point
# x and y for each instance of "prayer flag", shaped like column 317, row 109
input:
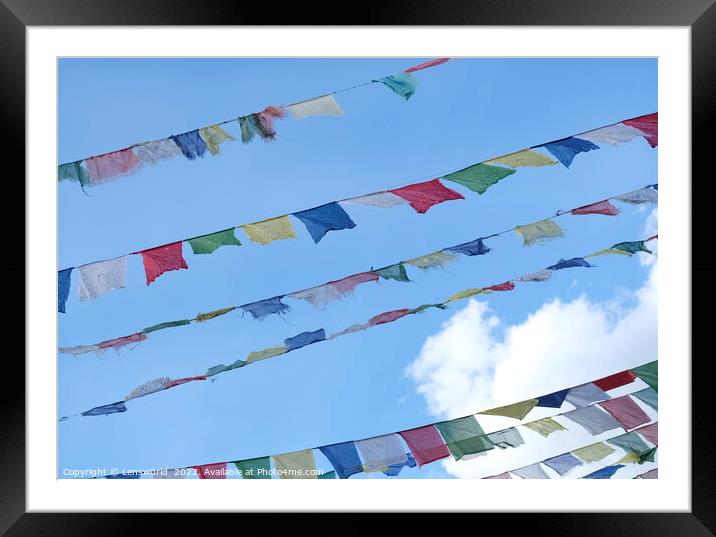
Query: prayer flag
column 585, row 395
column 632, row 247
column 74, row 171
column 615, row 381
column 381, row 451
column 612, row 134
column 152, row 386
column 256, row 356
column 393, row 272
column 479, row 177
column 464, row 436
column 320, row 106
column 295, row 465
column 344, row 458
column 648, row 396
column 533, row 471
column 437, row 259
column 402, row 84
column 552, row 400
column 562, row 463
column 384, row 200
column 506, row 438
column 190, row 143
column 526, row 157
column 593, row 419
column 517, row 410
column 273, row 229
column 570, row 263
column 565, row 150
column 213, row 136
column 539, row 276
column 545, row 426
column 162, row 259
column 152, row 152
column 649, row 373
column 648, row 125
column 539, row 231
column 304, row 338
column 388, row 317
column 601, row 207
column 263, row 308
column 594, row 452
column 115, row 164
column 626, row 412
column 425, row 444
column 422, row 196
column 63, row 288
column 207, row 244
column 630, row 442
column 96, row 279
column 203, row 317
column 328, row 217
column 650, row 432
column 425, row 65
column 604, row 473
column 258, row 468
column 169, row 324
column 648, row 194
column 319, row 296
column 476, row 247
column 346, row 285
column 112, row 408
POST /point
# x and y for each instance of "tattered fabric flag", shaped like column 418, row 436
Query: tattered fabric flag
column 650, row 432
column 562, row 463
column 346, row 285
column 464, row 436
column 538, row 232
column 615, row 381
column 295, row 465
column 533, row 471
column 177, row 382
column 612, row 135
column 626, row 411
column 112, row 408
column 152, row 152
column 649, row 397
column 203, row 317
column 476, row 247
column 381, row 451
column 261, row 124
column 651, row 474
column 517, row 410
column 402, row 84
column 507, row 286
column 526, row 157
column 344, row 458
column 649, row 373
column 273, row 229
column 319, row 296
column 305, row 338
column 213, row 136
column 552, row 400
column 384, row 200
column 81, row 349
column 152, row 386
column 648, row 125
column 503, row 475
column 421, row 309
column 601, row 207
column 63, row 288
column 545, row 426
column 256, row 356
column 648, row 194
column 395, row 272
column 609, row 251
column 99, row 278
column 118, row 343
column 74, row 171
column 162, row 259
column 207, row 244
column 593, row 419
column 168, row 324
column 221, row 368
column 190, row 143
column 263, row 308
column 422, row 196
column 631, row 443
column 258, row 468
column 328, row 475
column 594, row 452
column 465, row 294
column 570, row 263
column 350, row 330
column 425, row 65
column 115, row 164
column 565, row 150
column 425, row 444
column 539, row 276
column 395, row 469
column 632, row 247
column 387, row 317
column 434, row 260
column 321, row 220
column 604, row 473
column 211, row 471
column 320, row 106
column 585, row 395
column 479, row 177
column 506, row 438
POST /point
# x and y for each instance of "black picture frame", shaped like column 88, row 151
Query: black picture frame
column 699, row 15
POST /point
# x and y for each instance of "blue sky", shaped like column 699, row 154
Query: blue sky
column 356, row 386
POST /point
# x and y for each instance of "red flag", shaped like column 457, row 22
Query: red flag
column 211, row 471
column 507, row 286
column 388, row 317
column 425, row 65
column 425, row 444
column 649, row 125
column 119, row 342
column 650, row 432
column 162, row 259
column 601, row 207
column 625, row 411
column 177, row 382
column 422, row 196
column 614, row 381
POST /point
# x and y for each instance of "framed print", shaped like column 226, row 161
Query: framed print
column 419, row 257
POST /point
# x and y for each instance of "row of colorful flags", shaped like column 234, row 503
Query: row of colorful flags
column 98, row 278
column 589, row 406
column 316, row 336
column 99, row 169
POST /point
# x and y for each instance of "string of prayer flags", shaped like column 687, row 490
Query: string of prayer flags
column 479, row 177
column 207, row 244
column 648, row 125
column 258, row 468
column 190, row 143
column 626, row 412
column 533, row 471
column 649, row 373
column 270, row 230
column 601, row 207
column 593, row 452
column 517, row 410
column 344, row 458
column 425, row 444
column 562, row 463
column 593, row 419
column 213, row 136
column 97, row 279
column 320, row 106
column 402, row 84
column 295, row 465
column 64, row 278
column 111, row 165
column 526, row 157
column 425, row 65
column 162, row 259
column 604, row 473
column 261, row 309
column 464, row 436
column 566, row 149
column 545, row 426
column 422, row 196
column 321, row 220
column 538, row 232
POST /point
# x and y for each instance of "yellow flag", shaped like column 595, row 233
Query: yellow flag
column 465, row 294
column 201, row 317
column 609, row 251
column 213, row 136
column 517, row 410
column 539, row 231
column 527, row 157
column 545, row 426
column 437, row 259
column 593, row 452
column 269, row 230
column 266, row 353
column 295, row 465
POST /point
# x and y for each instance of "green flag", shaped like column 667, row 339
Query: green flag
column 162, row 326
column 393, row 272
column 479, row 177
column 464, row 436
column 258, row 468
column 649, row 373
column 207, row 244
column 632, row 247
